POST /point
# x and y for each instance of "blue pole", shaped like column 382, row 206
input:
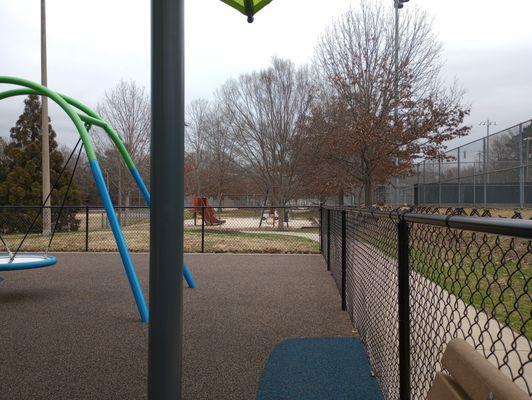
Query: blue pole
column 142, row 186
column 120, row 242
column 188, row 277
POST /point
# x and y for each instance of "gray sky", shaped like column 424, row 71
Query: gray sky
column 91, row 46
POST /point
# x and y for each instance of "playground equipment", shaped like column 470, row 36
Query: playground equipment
column 270, row 213
column 14, row 260
column 201, row 209
column 25, row 261
column 84, row 118
column 248, row 7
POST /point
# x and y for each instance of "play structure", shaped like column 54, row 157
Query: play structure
column 202, row 210
column 83, row 118
column 269, row 215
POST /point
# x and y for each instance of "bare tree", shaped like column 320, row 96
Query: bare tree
column 220, row 148
column 265, row 110
column 198, row 116
column 126, row 108
column 355, row 56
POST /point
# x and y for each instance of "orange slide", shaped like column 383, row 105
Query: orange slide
column 201, row 207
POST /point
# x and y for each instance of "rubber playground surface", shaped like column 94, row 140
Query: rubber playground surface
column 72, row 331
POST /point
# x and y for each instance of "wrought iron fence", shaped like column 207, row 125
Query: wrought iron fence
column 411, row 282
column 207, row 229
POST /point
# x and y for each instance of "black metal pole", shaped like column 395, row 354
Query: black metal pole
column 321, row 229
column 344, row 258
column 86, row 228
column 404, row 310
column 328, row 239
column 203, row 229
column 167, row 200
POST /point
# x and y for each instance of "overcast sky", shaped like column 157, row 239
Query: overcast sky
column 93, row 45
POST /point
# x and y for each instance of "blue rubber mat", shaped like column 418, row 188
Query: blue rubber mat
column 318, row 369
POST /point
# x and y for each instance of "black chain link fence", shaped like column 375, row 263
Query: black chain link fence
column 207, row 229
column 411, row 282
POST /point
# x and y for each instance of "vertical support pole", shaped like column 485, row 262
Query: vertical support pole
column 328, row 239
column 521, row 170
column 460, row 204
column 165, row 339
column 424, row 185
column 45, row 142
column 404, row 309
column 321, row 229
column 485, row 171
column 439, row 183
column 474, row 186
column 203, row 229
column 344, row 258
column 86, row 228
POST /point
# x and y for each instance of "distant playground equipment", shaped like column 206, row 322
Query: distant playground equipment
column 83, row 118
column 201, row 209
column 270, row 214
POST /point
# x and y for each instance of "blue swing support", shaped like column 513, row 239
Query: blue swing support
column 84, row 118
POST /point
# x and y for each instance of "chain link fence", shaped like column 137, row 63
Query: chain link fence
column 411, row 282
column 492, row 171
column 207, row 229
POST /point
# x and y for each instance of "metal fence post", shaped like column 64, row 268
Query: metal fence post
column 521, row 169
column 321, row 229
column 203, row 229
column 328, row 239
column 86, row 228
column 404, row 309
column 344, row 259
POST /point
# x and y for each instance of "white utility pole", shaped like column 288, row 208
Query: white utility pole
column 398, row 4
column 487, row 123
column 47, row 212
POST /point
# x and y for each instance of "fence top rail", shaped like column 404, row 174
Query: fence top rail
column 291, row 207
column 498, row 226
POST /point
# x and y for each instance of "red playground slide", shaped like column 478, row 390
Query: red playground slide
column 201, row 207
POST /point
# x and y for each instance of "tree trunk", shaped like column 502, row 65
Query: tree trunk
column 341, row 196
column 126, row 210
column 280, row 222
column 368, row 193
column 119, row 202
column 220, row 201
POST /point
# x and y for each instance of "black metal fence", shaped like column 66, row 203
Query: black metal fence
column 411, row 282
column 219, row 229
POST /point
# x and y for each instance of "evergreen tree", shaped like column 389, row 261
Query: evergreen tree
column 21, row 182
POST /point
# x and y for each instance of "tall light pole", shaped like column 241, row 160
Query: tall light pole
column 527, row 152
column 397, row 5
column 45, row 139
column 487, row 123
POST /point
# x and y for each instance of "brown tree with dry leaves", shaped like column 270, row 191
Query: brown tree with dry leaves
column 358, row 134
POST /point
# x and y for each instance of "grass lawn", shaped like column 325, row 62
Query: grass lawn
column 491, row 273
column 137, row 237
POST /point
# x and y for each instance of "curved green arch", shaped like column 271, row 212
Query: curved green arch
column 44, row 91
column 89, row 116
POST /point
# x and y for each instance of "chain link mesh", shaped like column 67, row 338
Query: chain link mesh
column 224, row 229
column 464, row 284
